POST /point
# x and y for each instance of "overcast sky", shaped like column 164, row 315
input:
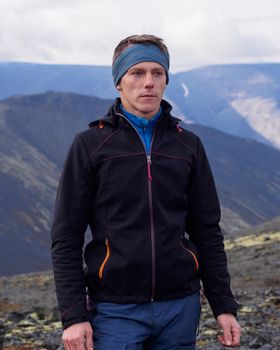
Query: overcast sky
column 197, row 32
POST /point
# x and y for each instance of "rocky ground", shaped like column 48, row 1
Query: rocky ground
column 254, row 264
column 29, row 316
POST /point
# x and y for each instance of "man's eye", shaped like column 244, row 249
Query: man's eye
column 137, row 74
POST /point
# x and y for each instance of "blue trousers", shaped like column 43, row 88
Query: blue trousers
column 164, row 325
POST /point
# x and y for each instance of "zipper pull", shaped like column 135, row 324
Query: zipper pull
column 178, row 128
column 149, row 162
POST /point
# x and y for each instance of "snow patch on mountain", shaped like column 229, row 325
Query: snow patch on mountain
column 176, row 111
column 262, row 114
column 186, row 90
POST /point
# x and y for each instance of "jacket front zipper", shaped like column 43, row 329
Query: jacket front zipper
column 150, row 195
column 149, row 162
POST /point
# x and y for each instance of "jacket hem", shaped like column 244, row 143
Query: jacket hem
column 132, row 299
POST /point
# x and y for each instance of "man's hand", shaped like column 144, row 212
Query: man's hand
column 231, row 330
column 78, row 337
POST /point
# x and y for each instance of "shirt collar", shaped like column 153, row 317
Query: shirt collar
column 140, row 121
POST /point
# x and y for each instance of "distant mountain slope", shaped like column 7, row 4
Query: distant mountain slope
column 268, row 226
column 28, row 181
column 238, row 99
column 28, row 78
column 241, row 99
column 48, row 121
column 35, row 134
column 247, row 174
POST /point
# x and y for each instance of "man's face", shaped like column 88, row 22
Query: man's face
column 141, row 89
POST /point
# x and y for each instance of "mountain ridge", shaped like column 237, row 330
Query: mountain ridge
column 240, row 99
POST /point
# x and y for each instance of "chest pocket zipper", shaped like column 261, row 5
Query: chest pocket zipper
column 192, row 254
column 108, row 252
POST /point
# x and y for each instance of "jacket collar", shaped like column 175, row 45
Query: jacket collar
column 114, row 114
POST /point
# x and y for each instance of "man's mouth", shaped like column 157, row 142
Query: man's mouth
column 148, row 95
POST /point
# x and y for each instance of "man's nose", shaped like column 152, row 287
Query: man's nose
column 149, row 80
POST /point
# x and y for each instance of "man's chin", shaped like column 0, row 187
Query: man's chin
column 149, row 109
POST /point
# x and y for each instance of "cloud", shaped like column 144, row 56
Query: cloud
column 208, row 37
column 198, row 32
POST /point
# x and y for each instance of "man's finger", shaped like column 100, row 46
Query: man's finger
column 227, row 335
column 223, row 341
column 89, row 341
column 81, row 345
column 69, row 345
column 236, row 333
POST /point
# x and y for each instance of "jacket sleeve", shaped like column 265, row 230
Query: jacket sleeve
column 71, row 217
column 202, row 225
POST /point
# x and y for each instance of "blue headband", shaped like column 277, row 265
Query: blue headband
column 138, row 53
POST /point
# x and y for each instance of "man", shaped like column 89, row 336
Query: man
column 144, row 185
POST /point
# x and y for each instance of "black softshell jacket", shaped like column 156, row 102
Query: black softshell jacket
column 139, row 207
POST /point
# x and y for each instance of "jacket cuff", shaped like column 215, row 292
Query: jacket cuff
column 72, row 321
column 74, row 314
column 223, row 305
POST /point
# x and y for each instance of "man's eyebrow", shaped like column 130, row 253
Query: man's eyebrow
column 132, row 69
column 135, row 69
column 158, row 68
